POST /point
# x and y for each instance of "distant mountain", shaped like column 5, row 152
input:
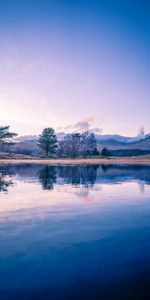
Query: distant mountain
column 100, row 137
column 140, row 147
column 26, row 138
column 28, row 147
column 28, row 144
column 29, row 138
column 118, row 138
column 143, row 144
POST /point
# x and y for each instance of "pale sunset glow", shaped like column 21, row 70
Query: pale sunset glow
column 63, row 61
column 64, row 200
column 74, row 149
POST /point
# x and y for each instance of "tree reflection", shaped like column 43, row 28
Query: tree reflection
column 105, row 167
column 77, row 175
column 86, row 175
column 5, row 182
column 47, row 177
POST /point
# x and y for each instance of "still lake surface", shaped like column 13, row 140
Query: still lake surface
column 74, row 232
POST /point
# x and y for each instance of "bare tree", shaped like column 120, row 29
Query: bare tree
column 88, row 143
column 77, row 144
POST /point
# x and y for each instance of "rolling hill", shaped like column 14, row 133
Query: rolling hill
column 28, row 145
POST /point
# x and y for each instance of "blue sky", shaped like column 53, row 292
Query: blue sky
column 66, row 62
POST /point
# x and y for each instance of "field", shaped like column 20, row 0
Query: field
column 132, row 160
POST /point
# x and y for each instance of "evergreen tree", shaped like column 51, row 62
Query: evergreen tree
column 6, row 137
column 105, row 152
column 48, row 142
column 95, row 152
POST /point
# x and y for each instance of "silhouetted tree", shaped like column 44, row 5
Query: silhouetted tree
column 6, row 137
column 95, row 152
column 48, row 142
column 106, row 152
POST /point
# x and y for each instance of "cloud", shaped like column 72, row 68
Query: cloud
column 90, row 119
column 82, row 126
column 97, row 130
column 141, row 132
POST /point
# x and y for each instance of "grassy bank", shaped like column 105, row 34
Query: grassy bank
column 134, row 160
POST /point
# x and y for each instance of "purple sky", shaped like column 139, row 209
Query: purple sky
column 65, row 62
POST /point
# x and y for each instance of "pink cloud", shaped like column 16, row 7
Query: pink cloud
column 83, row 125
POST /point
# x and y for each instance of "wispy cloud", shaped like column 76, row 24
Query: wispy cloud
column 84, row 125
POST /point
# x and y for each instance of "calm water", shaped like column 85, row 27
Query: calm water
column 79, row 232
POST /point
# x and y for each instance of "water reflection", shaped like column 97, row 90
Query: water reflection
column 76, row 175
column 47, row 177
column 5, row 181
column 75, row 232
column 85, row 175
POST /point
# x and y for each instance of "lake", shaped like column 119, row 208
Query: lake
column 74, row 232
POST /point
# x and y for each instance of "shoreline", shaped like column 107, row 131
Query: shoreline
column 81, row 161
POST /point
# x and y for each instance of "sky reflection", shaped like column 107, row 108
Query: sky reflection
column 74, row 232
column 29, row 192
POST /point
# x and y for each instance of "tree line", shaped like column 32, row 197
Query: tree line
column 72, row 145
